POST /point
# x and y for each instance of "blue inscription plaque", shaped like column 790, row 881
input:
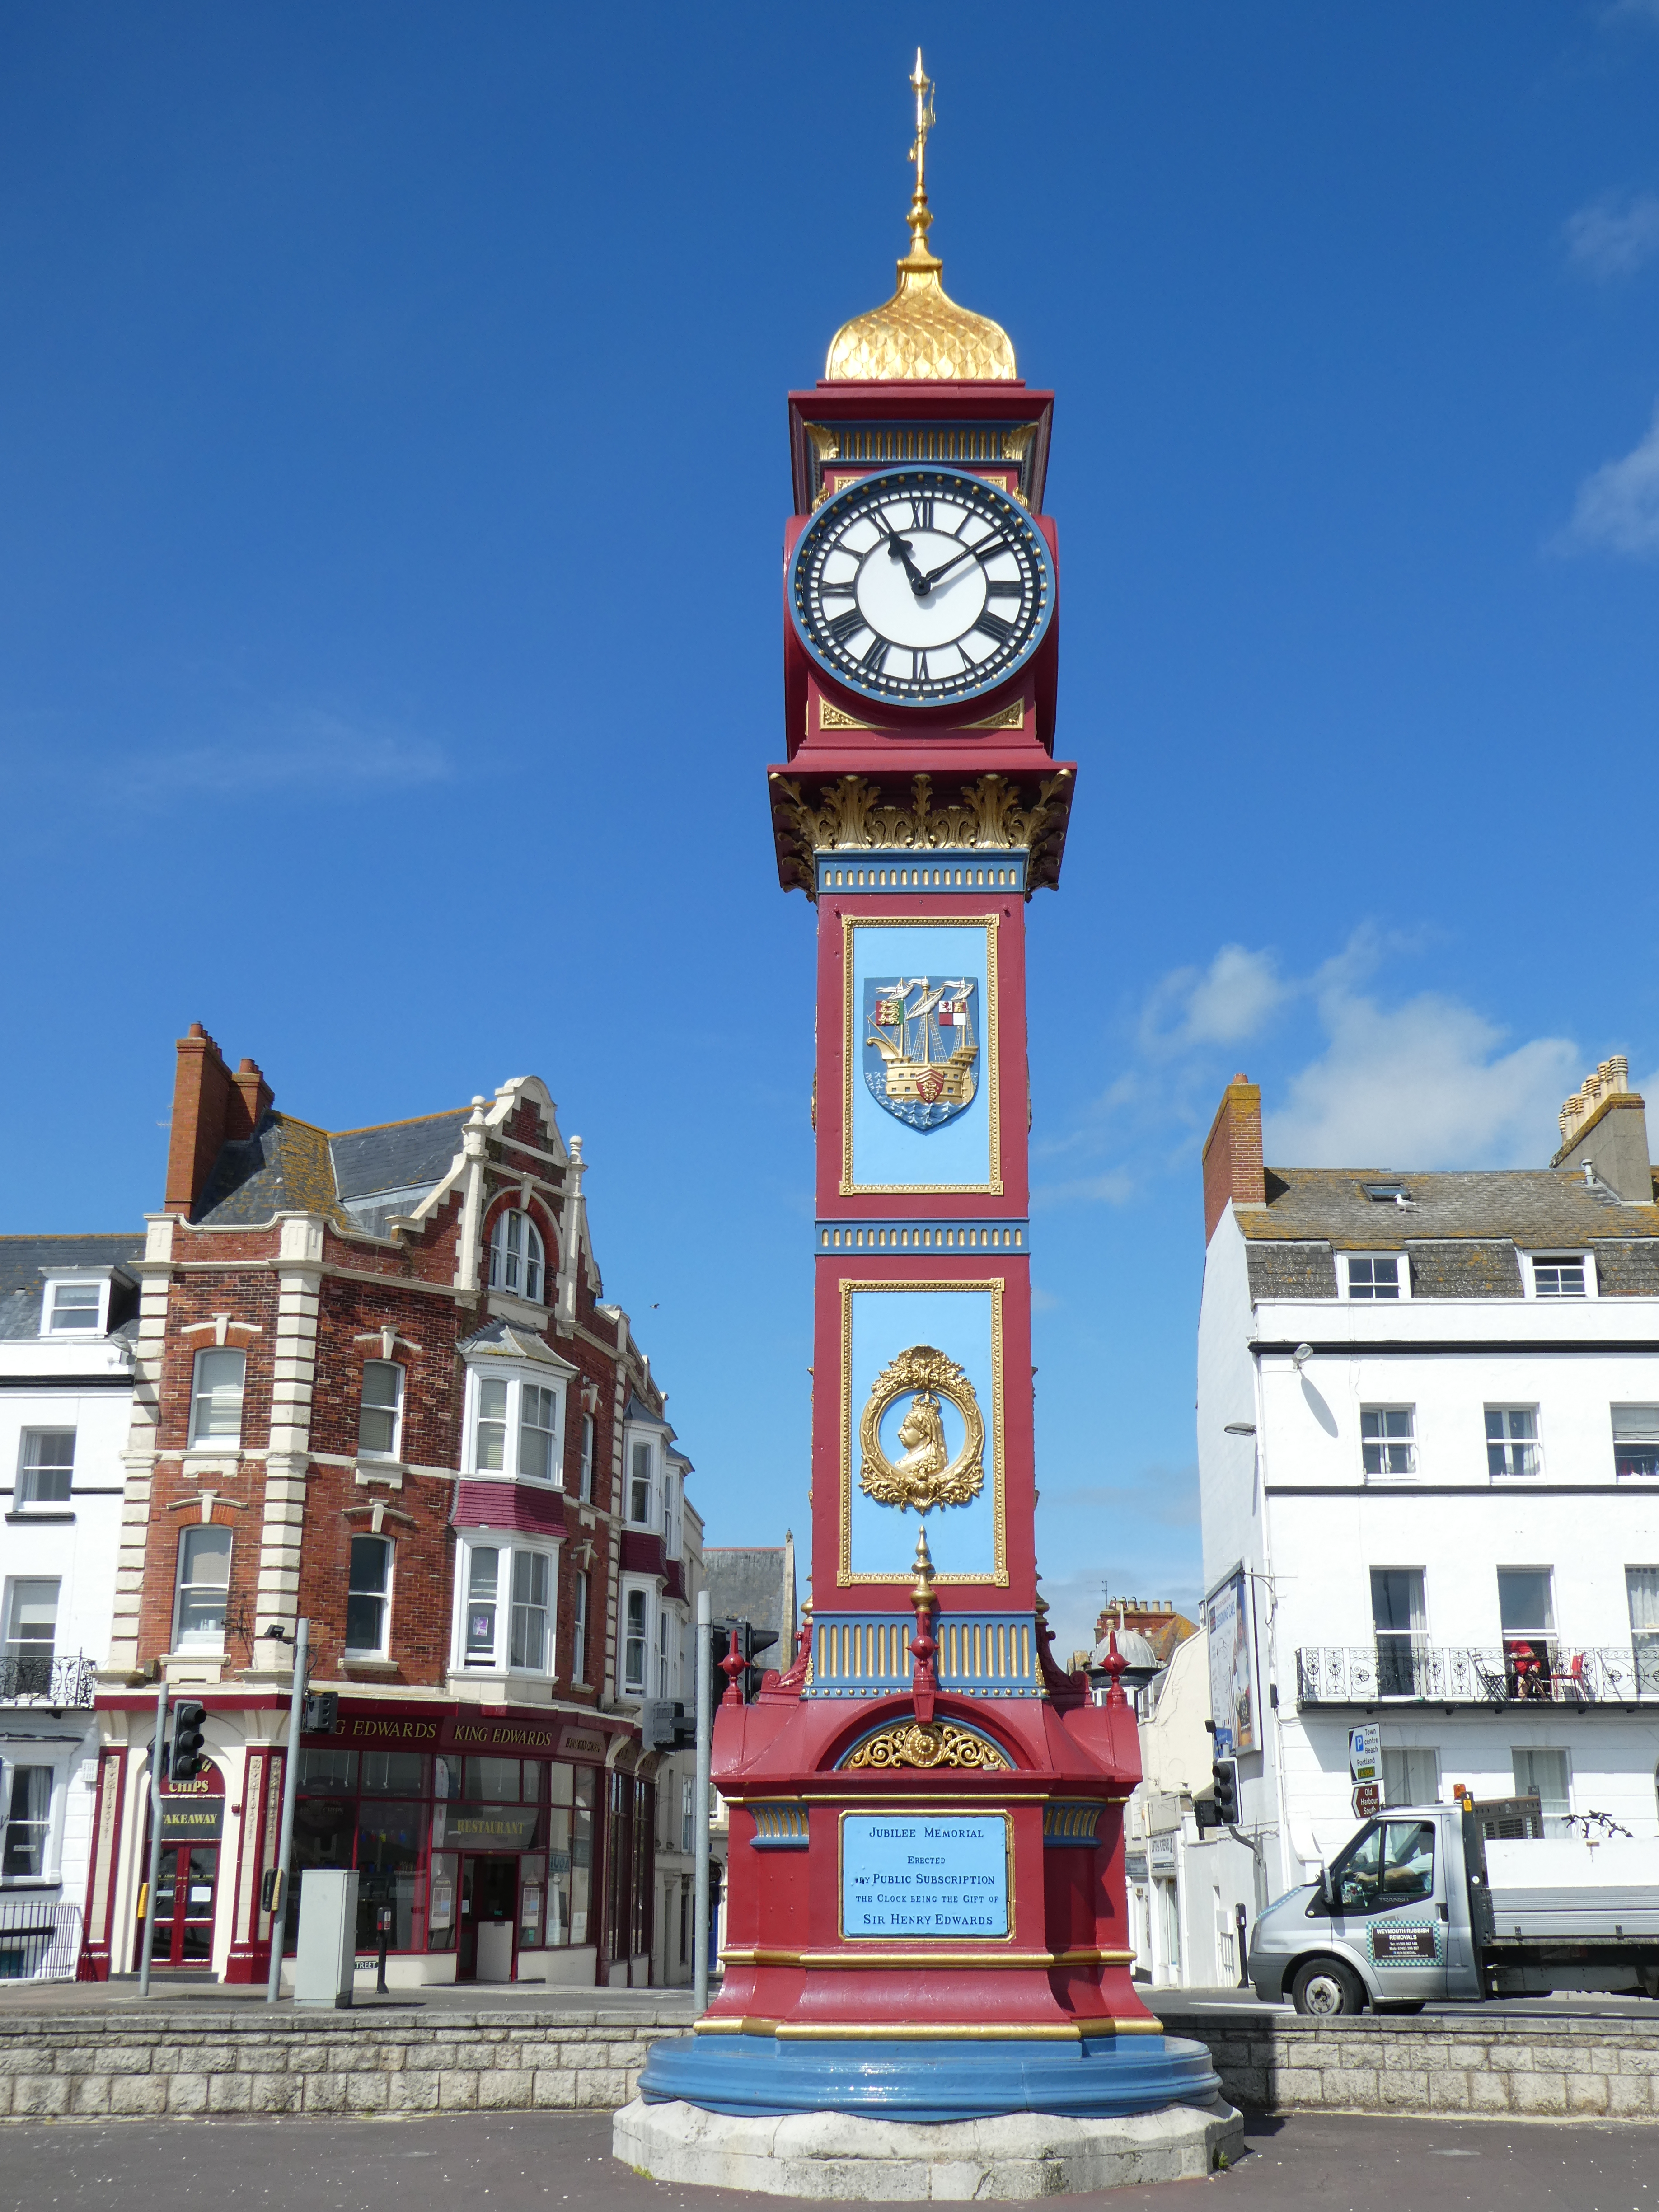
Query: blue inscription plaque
column 925, row 1874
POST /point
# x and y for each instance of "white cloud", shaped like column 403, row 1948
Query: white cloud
column 1613, row 235
column 1617, row 505
column 293, row 750
column 1223, row 1004
column 1421, row 1085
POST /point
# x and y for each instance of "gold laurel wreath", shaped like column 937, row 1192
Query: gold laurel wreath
column 928, row 1374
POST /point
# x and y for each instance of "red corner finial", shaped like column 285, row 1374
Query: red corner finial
column 732, row 1667
column 1117, row 1666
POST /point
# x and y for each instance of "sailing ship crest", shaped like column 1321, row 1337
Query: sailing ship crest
column 920, row 1047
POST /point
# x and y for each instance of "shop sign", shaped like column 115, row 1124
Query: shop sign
column 193, row 1812
column 467, row 1731
column 1135, row 1866
column 582, row 1743
column 491, row 1827
column 1367, row 1798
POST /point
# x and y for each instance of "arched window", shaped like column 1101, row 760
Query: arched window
column 515, row 1256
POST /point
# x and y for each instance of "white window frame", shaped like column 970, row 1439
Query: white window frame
column 515, row 1377
column 532, row 1556
column 1532, row 1447
column 1634, row 1444
column 528, row 1263
column 1531, row 1261
column 507, row 1544
column 51, row 1873
column 206, row 1644
column 25, row 1495
column 11, row 1644
column 396, row 1410
column 587, row 1434
column 581, row 1600
column 1363, row 1295
column 634, row 1439
column 77, row 1279
column 1386, row 1443
column 223, row 1441
column 383, row 1595
column 636, row 1689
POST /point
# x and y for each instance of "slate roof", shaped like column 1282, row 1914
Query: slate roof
column 1531, row 1206
column 293, row 1165
column 22, row 1259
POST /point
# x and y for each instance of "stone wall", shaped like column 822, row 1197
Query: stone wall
column 134, row 2063
column 1509, row 2064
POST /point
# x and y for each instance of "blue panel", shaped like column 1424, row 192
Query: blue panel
column 867, row 1655
column 888, row 1153
column 1070, row 1826
column 1009, row 1239
column 1097, row 2077
column 960, row 1323
column 925, row 1874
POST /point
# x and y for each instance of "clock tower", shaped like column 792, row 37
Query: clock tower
column 926, row 1915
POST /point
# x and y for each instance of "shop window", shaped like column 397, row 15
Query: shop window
column 515, row 1256
column 204, row 1589
column 579, row 1629
column 328, row 1770
column 530, row 1593
column 216, row 1414
column 46, row 1467
column 368, row 1595
column 483, row 1570
column 28, row 1823
column 635, row 1646
column 379, row 1417
column 394, row 1774
column 503, row 1781
column 537, row 1421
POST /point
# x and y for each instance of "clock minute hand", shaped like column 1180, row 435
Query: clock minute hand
column 985, row 545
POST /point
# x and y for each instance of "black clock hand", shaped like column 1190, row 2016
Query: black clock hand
column 994, row 545
column 898, row 549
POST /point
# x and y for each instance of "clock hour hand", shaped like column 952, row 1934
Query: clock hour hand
column 898, row 549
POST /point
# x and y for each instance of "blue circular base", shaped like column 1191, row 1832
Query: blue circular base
column 1101, row 2077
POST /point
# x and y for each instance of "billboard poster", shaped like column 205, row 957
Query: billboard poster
column 1233, row 1667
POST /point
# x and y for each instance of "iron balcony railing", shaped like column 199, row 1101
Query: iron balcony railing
column 39, row 1941
column 65, row 1680
column 1521, row 1671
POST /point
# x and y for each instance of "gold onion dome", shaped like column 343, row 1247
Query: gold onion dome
column 920, row 334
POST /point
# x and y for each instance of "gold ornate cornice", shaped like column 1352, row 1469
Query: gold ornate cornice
column 852, row 814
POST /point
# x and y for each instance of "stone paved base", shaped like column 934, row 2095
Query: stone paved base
column 830, row 2156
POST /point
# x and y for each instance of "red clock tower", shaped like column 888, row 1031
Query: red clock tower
column 926, row 1915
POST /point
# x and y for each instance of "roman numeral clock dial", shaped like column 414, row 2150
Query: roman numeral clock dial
column 921, row 586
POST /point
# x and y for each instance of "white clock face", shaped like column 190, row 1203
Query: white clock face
column 921, row 586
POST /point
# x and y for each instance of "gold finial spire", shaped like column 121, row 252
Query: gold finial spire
column 923, row 1562
column 921, row 333
column 920, row 219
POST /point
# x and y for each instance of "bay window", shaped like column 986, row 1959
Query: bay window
column 642, row 1481
column 518, row 1426
column 506, row 1613
column 635, row 1641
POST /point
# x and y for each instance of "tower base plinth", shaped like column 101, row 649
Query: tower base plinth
column 830, row 2156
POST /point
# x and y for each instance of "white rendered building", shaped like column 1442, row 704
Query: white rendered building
column 1428, row 1444
column 68, row 1316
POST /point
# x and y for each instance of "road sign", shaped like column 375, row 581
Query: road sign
column 1365, row 1752
column 1367, row 1798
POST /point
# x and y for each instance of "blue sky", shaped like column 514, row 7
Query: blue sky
column 393, row 471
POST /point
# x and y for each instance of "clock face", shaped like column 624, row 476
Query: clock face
column 921, row 586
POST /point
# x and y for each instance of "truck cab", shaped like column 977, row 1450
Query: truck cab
column 1388, row 1923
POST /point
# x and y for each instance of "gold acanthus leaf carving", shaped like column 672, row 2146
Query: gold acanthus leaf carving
column 925, row 1476
column 940, row 1743
column 984, row 815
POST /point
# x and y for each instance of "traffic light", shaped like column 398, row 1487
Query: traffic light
column 322, row 1712
column 188, row 1730
column 1223, row 1776
column 664, row 1725
column 751, row 1642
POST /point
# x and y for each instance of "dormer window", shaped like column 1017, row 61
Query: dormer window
column 1562, row 1275
column 515, row 1256
column 1387, row 1193
column 74, row 1306
column 1377, row 1275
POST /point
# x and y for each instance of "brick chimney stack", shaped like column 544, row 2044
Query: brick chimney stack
column 1604, row 1128
column 209, row 1106
column 1233, row 1172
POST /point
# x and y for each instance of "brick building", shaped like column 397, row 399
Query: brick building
column 377, row 1385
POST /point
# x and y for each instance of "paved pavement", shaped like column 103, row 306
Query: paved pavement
column 1561, row 2005
column 501, row 2162
column 171, row 1994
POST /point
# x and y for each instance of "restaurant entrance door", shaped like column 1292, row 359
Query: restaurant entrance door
column 184, row 1905
column 490, row 1898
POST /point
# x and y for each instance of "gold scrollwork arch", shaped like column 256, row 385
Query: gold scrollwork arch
column 936, row 1743
column 927, row 1475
